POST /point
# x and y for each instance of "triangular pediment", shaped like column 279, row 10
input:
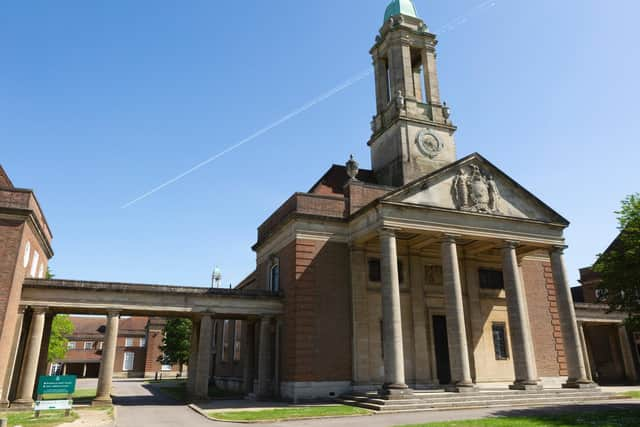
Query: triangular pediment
column 474, row 185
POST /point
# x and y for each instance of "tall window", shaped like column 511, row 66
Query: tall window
column 237, row 341
column 225, row 341
column 127, row 363
column 34, row 263
column 274, row 275
column 491, row 279
column 500, row 341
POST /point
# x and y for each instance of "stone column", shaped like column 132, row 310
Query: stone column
column 524, row 360
column 201, row 390
column 456, row 329
column 585, row 351
column 248, row 356
column 575, row 360
column 12, row 376
column 394, row 379
column 627, row 354
column 105, row 377
column 46, row 338
column 265, row 359
column 193, row 357
column 31, row 358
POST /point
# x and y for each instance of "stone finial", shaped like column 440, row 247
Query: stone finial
column 352, row 168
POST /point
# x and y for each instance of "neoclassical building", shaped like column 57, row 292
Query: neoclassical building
column 428, row 270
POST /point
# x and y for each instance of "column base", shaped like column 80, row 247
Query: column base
column 4, row 404
column 580, row 384
column 526, row 386
column 22, row 404
column 395, row 391
column 461, row 388
column 102, row 401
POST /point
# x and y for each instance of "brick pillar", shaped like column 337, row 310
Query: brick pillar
column 11, row 375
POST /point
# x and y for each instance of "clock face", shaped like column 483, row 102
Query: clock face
column 429, row 144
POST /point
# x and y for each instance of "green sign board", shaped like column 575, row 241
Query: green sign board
column 57, row 385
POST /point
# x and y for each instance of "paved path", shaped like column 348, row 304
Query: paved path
column 138, row 406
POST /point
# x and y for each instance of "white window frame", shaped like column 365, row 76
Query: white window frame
column 128, row 361
column 88, row 345
column 71, row 345
column 128, row 342
column 143, row 342
column 274, row 285
column 27, row 254
column 100, row 345
column 34, row 263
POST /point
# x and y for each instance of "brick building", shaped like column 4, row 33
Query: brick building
column 426, row 270
column 25, row 250
column 137, row 351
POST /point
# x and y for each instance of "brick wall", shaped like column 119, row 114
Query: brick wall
column 544, row 318
column 316, row 342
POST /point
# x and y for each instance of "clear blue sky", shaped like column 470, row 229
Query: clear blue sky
column 102, row 101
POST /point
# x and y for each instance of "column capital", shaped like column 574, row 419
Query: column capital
column 559, row 249
column 39, row 309
column 510, row 244
column 21, row 309
column 387, row 232
column 450, row 238
column 113, row 313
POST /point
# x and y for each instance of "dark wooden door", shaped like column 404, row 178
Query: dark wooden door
column 441, row 342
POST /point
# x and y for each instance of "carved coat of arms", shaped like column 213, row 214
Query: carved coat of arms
column 475, row 191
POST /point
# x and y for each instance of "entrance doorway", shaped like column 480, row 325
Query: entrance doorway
column 441, row 343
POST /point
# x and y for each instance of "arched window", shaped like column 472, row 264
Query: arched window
column 274, row 275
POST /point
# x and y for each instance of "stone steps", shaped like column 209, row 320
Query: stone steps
column 443, row 401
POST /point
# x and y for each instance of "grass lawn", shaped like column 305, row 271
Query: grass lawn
column 80, row 394
column 289, row 413
column 604, row 418
column 632, row 394
column 46, row 419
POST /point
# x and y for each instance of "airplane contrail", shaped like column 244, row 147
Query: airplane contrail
column 452, row 25
column 342, row 86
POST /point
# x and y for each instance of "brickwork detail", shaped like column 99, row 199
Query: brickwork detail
column 555, row 319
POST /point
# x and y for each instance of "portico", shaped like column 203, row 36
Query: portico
column 402, row 228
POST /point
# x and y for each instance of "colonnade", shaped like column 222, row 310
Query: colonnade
column 198, row 368
column 526, row 376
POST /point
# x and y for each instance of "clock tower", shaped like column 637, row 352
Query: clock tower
column 412, row 132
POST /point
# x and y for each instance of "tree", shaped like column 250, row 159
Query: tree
column 49, row 274
column 176, row 344
column 61, row 328
column 619, row 265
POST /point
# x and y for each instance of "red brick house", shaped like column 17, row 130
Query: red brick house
column 137, row 352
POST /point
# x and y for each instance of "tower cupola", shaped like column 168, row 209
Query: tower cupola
column 412, row 130
column 400, row 7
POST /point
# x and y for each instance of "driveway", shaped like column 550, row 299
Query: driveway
column 138, row 406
